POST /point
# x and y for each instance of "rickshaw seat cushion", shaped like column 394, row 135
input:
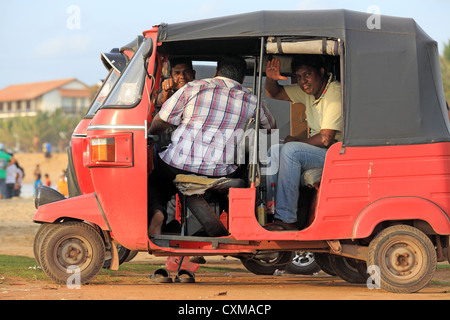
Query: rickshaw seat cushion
column 198, row 185
column 311, row 178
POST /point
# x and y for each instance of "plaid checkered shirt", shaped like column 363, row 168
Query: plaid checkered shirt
column 211, row 116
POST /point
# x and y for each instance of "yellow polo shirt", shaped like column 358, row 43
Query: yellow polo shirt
column 323, row 113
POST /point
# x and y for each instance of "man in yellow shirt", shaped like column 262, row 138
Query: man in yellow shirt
column 322, row 98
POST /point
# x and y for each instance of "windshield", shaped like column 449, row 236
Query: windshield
column 104, row 91
column 128, row 90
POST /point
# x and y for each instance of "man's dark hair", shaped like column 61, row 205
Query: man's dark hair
column 176, row 61
column 232, row 67
column 309, row 60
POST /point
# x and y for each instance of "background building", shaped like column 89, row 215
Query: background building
column 29, row 98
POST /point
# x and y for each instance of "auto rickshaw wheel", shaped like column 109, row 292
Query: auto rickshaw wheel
column 323, row 260
column 267, row 264
column 38, row 239
column 349, row 269
column 72, row 251
column 406, row 259
column 303, row 262
column 448, row 249
column 123, row 255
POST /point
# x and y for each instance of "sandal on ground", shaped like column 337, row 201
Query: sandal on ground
column 161, row 276
column 279, row 225
column 181, row 279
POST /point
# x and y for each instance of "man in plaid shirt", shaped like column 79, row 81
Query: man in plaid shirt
column 211, row 116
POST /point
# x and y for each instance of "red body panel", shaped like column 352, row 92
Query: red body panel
column 123, row 194
column 362, row 187
column 355, row 180
column 400, row 208
column 76, row 144
column 83, row 207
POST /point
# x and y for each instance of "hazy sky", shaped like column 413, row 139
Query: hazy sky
column 56, row 39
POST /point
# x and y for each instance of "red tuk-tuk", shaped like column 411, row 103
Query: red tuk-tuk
column 382, row 207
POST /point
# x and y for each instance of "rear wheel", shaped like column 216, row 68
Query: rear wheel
column 131, row 255
column 349, row 269
column 323, row 260
column 406, row 258
column 70, row 248
column 303, row 263
column 123, row 255
column 448, row 250
column 267, row 264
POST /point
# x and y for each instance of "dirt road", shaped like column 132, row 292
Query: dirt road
column 16, row 238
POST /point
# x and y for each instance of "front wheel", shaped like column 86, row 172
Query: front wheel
column 405, row 257
column 72, row 251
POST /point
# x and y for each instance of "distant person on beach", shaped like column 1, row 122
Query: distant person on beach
column 37, row 182
column 18, row 187
column 12, row 177
column 47, row 181
column 36, row 171
column 4, row 159
column 61, row 185
column 47, row 149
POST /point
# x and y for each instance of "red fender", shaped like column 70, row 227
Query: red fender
column 85, row 208
column 400, row 208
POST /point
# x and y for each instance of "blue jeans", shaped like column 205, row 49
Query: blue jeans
column 293, row 159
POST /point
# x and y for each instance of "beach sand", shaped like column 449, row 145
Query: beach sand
column 53, row 166
column 17, row 229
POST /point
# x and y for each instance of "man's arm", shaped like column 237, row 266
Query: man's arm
column 158, row 125
column 169, row 87
column 273, row 89
column 324, row 139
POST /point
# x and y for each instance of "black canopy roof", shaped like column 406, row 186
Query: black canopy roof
column 393, row 92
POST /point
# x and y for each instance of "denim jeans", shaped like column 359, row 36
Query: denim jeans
column 293, row 159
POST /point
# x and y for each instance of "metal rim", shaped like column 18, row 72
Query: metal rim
column 72, row 250
column 303, row 259
column 402, row 259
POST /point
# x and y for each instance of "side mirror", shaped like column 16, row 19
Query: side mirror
column 147, row 48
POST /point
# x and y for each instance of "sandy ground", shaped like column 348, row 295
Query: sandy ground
column 16, row 238
column 17, row 234
column 53, row 166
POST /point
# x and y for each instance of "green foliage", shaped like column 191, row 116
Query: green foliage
column 447, row 51
column 445, row 70
column 29, row 133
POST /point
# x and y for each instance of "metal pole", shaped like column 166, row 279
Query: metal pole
column 258, row 112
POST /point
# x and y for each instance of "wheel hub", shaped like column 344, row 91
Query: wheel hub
column 402, row 259
column 303, row 258
column 72, row 252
